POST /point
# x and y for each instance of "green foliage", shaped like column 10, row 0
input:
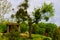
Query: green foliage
column 56, row 34
column 40, row 13
column 3, row 27
column 35, row 29
column 12, row 16
column 45, row 12
column 47, row 8
column 13, row 34
column 2, row 37
column 40, row 28
column 22, row 14
column 24, row 26
column 50, row 27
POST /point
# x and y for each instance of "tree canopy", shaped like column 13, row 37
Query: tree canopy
column 5, row 7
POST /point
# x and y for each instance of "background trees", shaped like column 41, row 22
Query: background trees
column 42, row 28
column 5, row 7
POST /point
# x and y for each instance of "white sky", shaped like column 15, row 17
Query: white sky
column 37, row 3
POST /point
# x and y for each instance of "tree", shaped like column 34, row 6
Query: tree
column 43, row 13
column 5, row 7
column 56, row 34
column 23, row 15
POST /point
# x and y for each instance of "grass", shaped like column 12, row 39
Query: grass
column 34, row 36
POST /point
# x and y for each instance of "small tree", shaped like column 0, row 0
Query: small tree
column 43, row 13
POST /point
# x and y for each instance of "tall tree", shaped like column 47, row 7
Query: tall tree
column 23, row 15
column 41, row 13
column 5, row 7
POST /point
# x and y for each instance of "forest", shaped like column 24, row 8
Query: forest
column 23, row 26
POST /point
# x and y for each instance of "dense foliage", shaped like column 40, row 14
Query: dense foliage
column 24, row 27
column 56, row 34
column 3, row 27
column 41, row 28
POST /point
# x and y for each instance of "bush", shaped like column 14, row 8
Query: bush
column 41, row 28
column 13, row 34
column 56, row 34
column 38, row 28
column 3, row 27
column 24, row 27
column 35, row 29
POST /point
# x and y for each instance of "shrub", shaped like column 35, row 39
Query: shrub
column 3, row 27
column 13, row 34
column 24, row 27
column 35, row 29
column 56, row 34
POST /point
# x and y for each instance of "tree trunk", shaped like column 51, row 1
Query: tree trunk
column 30, row 30
column 19, row 25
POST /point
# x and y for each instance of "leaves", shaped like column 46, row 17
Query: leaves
column 5, row 7
column 45, row 12
column 12, row 16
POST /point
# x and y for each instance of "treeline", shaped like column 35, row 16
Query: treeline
column 45, row 29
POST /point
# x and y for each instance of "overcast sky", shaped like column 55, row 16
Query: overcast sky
column 37, row 3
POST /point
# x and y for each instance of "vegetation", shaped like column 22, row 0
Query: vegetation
column 31, row 28
column 5, row 7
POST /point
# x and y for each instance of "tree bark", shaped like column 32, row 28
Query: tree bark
column 30, row 28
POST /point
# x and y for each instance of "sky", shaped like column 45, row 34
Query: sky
column 36, row 4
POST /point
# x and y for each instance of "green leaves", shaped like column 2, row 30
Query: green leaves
column 24, row 27
column 46, row 18
column 47, row 8
column 22, row 12
column 45, row 12
column 12, row 16
column 5, row 6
